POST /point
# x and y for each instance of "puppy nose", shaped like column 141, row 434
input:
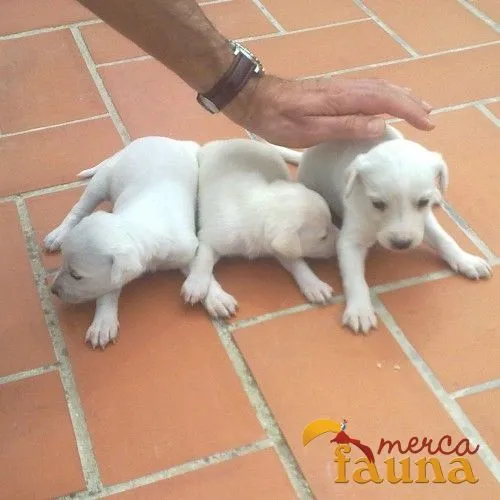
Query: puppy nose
column 401, row 243
column 55, row 289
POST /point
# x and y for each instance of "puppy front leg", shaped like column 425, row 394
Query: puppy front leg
column 310, row 285
column 359, row 314
column 459, row 260
column 104, row 327
column 95, row 193
column 217, row 302
column 196, row 286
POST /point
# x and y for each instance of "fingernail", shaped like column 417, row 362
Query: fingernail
column 427, row 105
column 376, row 126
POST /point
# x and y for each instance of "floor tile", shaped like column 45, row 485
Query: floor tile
column 430, row 26
column 309, row 368
column 107, row 45
column 490, row 7
column 335, row 48
column 452, row 323
column 23, row 333
column 54, row 156
column 46, row 78
column 235, row 19
column 468, row 141
column 166, row 393
column 239, row 19
column 482, row 410
column 32, row 14
column 495, row 109
column 301, row 14
column 448, row 79
column 255, row 476
column 38, row 454
column 150, row 100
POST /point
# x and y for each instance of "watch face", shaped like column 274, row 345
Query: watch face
column 207, row 104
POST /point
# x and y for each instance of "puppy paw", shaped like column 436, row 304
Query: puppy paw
column 194, row 289
column 317, row 292
column 219, row 304
column 52, row 242
column 360, row 317
column 102, row 331
column 472, row 266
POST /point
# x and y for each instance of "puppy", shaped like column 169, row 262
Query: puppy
column 384, row 191
column 248, row 206
column 152, row 184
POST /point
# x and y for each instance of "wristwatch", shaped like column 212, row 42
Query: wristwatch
column 244, row 66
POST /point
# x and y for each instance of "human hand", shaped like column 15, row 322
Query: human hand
column 302, row 113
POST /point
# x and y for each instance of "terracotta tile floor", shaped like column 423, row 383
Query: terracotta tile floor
column 181, row 407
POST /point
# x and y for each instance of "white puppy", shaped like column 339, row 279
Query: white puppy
column 248, row 206
column 152, row 183
column 384, row 191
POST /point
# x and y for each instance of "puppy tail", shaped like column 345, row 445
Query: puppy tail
column 87, row 174
column 289, row 155
column 90, row 172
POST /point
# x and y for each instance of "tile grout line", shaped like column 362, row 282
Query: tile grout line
column 450, row 405
column 263, row 412
column 266, row 36
column 386, row 28
column 401, row 60
column 33, row 372
column 26, row 195
column 482, row 107
column 177, row 470
column 50, row 29
column 82, row 436
column 479, row 14
column 468, row 231
column 269, row 16
column 302, row 30
column 479, row 103
column 476, row 389
column 106, row 98
column 56, row 125
column 455, row 107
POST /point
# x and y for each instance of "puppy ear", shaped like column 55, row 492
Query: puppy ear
column 287, row 244
column 124, row 268
column 441, row 172
column 351, row 174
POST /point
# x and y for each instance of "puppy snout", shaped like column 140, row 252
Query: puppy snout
column 55, row 289
column 401, row 243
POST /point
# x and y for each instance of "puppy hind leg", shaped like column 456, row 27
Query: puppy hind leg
column 104, row 327
column 310, row 285
column 95, row 193
column 459, row 260
column 197, row 284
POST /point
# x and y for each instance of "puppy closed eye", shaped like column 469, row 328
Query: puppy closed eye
column 75, row 276
column 324, row 237
column 379, row 205
column 422, row 203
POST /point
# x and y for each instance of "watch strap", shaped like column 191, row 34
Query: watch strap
column 231, row 83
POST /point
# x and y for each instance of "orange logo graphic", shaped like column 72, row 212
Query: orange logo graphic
column 394, row 474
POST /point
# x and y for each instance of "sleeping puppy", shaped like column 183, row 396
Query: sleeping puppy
column 152, row 184
column 249, row 207
column 384, row 191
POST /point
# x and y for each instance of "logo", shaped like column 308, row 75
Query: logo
column 378, row 468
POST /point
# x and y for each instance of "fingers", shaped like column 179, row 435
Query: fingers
column 373, row 97
column 318, row 129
